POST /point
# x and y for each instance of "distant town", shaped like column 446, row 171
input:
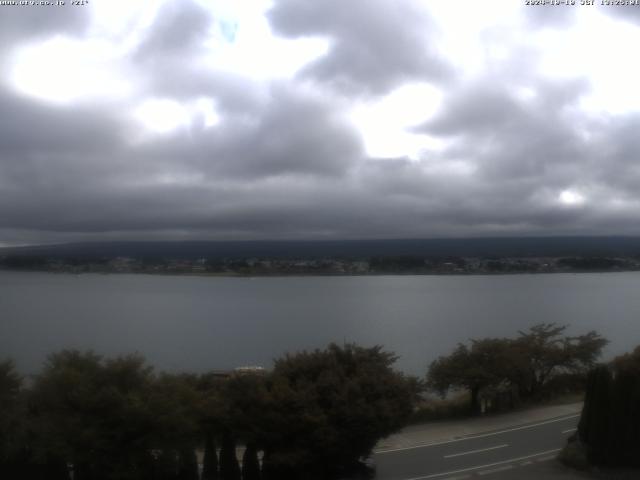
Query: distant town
column 255, row 266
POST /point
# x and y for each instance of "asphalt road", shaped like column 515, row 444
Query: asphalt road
column 481, row 456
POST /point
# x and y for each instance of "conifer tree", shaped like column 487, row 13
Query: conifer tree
column 210, row 461
column 597, row 428
column 188, row 465
column 167, row 465
column 250, row 463
column 229, row 467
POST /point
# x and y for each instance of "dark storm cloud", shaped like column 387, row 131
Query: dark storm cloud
column 286, row 131
column 374, row 44
column 29, row 125
column 79, row 169
column 292, row 134
column 284, row 161
column 520, row 145
column 527, row 150
column 618, row 155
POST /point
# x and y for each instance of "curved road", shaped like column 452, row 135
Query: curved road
column 481, row 456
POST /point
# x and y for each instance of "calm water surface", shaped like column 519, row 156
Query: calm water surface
column 200, row 323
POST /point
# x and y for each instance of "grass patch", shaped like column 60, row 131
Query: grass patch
column 433, row 409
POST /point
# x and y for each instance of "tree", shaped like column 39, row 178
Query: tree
column 174, row 404
column 250, row 463
column 229, row 467
column 245, row 398
column 92, row 413
column 211, row 419
column 473, row 368
column 210, row 460
column 610, row 422
column 167, row 465
column 527, row 362
column 629, row 362
column 188, row 464
column 328, row 408
column 594, row 425
column 245, row 413
column 11, row 419
column 543, row 352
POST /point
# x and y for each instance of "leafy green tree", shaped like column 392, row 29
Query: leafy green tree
column 527, row 362
column 328, row 408
column 246, row 401
column 483, row 364
column 174, row 403
column 92, row 413
column 543, row 351
column 628, row 363
column 12, row 419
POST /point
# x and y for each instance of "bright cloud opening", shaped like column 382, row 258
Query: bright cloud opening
column 384, row 124
column 206, row 108
column 593, row 49
column 62, row 70
column 460, row 31
column 162, row 115
column 246, row 45
column 571, row 198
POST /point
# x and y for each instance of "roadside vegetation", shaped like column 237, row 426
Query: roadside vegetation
column 609, row 430
column 496, row 374
column 315, row 415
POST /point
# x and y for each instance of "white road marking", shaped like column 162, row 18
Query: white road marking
column 476, row 451
column 461, row 477
column 545, row 459
column 473, row 437
column 569, row 430
column 489, row 465
column 496, row 470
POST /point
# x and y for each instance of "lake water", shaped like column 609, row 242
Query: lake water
column 200, row 323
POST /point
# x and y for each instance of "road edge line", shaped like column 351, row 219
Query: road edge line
column 469, row 469
column 474, row 436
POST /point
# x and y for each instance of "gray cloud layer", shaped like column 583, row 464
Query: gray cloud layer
column 375, row 44
column 285, row 162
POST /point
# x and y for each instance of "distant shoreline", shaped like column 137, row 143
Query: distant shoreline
column 318, row 275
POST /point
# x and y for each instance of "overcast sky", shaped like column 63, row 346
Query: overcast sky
column 254, row 119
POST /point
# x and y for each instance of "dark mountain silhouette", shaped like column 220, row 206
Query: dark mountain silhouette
column 469, row 247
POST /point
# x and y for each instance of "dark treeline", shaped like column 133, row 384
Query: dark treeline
column 267, row 266
column 582, row 246
column 315, row 415
column 499, row 373
column 609, row 429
